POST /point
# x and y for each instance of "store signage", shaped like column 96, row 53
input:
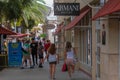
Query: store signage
column 14, row 54
column 66, row 9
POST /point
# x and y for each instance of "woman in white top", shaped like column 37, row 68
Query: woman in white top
column 69, row 58
column 53, row 59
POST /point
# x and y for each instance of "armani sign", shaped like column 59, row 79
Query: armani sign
column 66, row 9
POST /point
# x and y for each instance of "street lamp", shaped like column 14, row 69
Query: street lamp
column 15, row 21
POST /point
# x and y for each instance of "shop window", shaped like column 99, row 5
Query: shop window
column 85, row 47
column 89, row 51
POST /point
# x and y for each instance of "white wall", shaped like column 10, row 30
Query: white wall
column 51, row 37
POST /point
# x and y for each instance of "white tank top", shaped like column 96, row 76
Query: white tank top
column 70, row 54
column 52, row 58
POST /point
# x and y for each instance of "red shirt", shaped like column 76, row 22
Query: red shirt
column 47, row 45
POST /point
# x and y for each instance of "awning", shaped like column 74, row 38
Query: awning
column 19, row 35
column 83, row 12
column 109, row 7
column 6, row 31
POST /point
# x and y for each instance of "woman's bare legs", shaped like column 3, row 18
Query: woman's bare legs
column 73, row 68
column 69, row 70
column 70, row 67
column 52, row 71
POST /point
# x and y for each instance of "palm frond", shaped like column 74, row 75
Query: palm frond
column 22, row 9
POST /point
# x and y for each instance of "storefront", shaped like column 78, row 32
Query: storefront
column 78, row 31
column 107, row 47
column 3, row 53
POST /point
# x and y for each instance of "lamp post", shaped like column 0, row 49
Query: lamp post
column 15, row 21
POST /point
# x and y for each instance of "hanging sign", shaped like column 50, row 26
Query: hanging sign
column 67, row 9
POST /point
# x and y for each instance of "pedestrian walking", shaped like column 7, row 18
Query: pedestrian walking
column 53, row 59
column 22, row 43
column 43, row 42
column 26, row 54
column 69, row 56
column 34, row 48
column 47, row 45
column 40, row 53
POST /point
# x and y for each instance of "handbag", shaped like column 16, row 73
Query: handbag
column 64, row 67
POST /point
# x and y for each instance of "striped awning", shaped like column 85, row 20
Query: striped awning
column 6, row 31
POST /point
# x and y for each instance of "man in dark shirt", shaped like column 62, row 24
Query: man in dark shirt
column 34, row 48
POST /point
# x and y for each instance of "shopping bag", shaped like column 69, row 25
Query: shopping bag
column 64, row 67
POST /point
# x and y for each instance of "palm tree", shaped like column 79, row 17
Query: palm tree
column 22, row 10
column 35, row 12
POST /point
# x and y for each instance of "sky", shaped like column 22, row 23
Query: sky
column 49, row 2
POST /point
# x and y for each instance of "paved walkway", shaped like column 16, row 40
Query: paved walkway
column 39, row 74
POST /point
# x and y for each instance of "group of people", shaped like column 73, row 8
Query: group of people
column 32, row 50
column 37, row 48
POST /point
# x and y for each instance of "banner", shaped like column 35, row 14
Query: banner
column 67, row 9
column 14, row 54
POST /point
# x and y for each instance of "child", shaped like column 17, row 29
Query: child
column 53, row 59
